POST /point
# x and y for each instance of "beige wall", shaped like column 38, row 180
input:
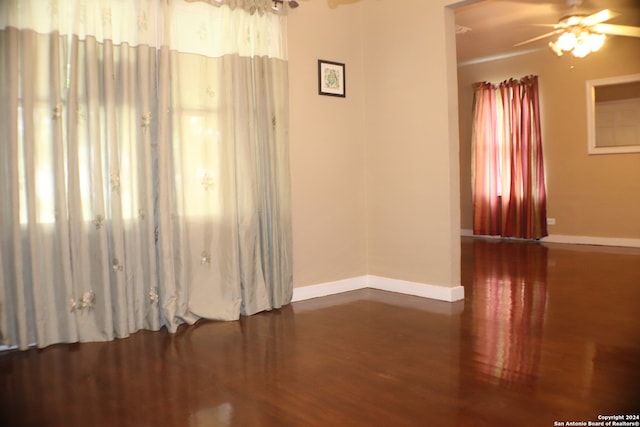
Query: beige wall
column 326, row 146
column 412, row 211
column 375, row 178
column 588, row 195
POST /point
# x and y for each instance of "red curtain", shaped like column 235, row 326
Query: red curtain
column 509, row 196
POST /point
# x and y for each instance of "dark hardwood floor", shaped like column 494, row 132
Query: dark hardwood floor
column 547, row 334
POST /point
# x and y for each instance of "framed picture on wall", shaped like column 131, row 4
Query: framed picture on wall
column 331, row 78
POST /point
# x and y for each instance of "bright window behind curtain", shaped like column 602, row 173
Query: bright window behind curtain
column 145, row 169
column 509, row 194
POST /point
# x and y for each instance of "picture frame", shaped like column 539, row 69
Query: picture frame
column 331, row 78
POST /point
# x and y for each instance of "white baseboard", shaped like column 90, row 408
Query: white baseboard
column 588, row 240
column 424, row 290
column 329, row 288
column 574, row 240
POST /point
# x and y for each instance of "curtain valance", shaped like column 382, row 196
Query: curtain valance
column 251, row 6
column 189, row 27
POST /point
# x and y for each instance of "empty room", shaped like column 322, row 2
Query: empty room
column 319, row 213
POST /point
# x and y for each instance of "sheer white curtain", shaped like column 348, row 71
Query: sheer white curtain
column 144, row 166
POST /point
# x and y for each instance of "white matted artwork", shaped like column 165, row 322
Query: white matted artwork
column 331, row 78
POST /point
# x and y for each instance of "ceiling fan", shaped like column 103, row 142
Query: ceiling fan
column 582, row 34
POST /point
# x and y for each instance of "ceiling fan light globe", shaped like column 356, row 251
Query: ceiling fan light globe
column 581, row 50
column 566, row 41
column 596, row 41
column 554, row 47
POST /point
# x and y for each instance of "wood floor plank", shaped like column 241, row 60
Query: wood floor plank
column 547, row 333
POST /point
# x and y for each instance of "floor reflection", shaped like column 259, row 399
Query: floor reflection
column 217, row 416
column 508, row 301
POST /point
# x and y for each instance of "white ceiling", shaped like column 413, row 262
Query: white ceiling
column 496, row 25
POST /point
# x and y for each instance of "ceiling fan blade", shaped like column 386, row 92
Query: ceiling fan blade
column 617, row 30
column 598, row 17
column 537, row 38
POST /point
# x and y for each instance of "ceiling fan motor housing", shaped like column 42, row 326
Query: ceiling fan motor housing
column 574, row 3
